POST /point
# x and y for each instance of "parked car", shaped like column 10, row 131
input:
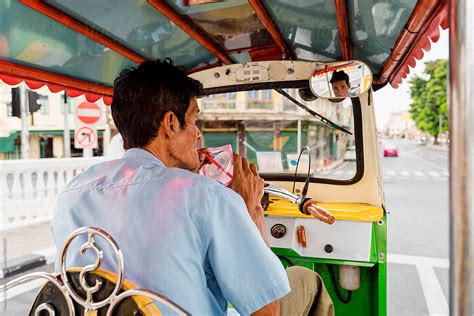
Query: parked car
column 390, row 150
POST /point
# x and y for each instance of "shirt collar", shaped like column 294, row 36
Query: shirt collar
column 141, row 153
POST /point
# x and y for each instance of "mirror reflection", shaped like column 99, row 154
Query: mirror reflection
column 341, row 80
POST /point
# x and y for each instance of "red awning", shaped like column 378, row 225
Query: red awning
column 417, row 52
column 71, row 92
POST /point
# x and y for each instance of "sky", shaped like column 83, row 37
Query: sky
column 389, row 100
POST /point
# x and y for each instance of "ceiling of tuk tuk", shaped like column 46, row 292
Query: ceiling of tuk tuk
column 91, row 41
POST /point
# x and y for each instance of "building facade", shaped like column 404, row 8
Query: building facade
column 46, row 126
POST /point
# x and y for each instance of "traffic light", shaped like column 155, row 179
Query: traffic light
column 33, row 104
column 16, row 108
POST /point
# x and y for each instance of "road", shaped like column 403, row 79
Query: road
column 416, row 196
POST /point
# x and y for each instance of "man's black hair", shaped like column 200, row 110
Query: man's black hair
column 143, row 95
column 339, row 76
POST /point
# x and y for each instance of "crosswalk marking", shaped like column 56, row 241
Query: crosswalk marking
column 393, row 174
column 435, row 299
column 417, row 175
column 434, row 296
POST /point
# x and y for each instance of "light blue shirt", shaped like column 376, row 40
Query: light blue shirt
column 182, row 235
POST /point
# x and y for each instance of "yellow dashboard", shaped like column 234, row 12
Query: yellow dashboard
column 341, row 211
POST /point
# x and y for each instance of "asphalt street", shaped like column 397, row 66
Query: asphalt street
column 416, row 197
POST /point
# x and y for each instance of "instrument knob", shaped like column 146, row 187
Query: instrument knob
column 278, row 230
column 328, row 248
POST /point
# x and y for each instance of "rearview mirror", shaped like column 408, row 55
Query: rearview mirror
column 341, row 80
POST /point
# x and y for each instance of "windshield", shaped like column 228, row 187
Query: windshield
column 271, row 130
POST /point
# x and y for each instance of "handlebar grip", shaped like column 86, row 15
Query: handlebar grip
column 310, row 208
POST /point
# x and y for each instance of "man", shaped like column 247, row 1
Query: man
column 340, row 84
column 182, row 235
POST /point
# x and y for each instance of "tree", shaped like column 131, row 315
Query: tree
column 428, row 106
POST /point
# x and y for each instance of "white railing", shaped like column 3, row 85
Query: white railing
column 28, row 188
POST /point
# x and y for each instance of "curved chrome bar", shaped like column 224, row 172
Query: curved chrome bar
column 55, row 281
column 45, row 307
column 88, row 304
column 90, row 290
column 152, row 295
column 280, row 192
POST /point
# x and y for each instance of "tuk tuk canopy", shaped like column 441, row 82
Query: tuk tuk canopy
column 81, row 46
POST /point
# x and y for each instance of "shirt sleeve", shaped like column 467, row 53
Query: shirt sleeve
column 249, row 275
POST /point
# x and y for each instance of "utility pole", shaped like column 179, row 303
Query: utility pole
column 87, row 152
column 66, row 134
column 25, row 133
column 298, row 138
column 108, row 131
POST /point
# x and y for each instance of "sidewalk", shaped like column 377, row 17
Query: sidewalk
column 26, row 247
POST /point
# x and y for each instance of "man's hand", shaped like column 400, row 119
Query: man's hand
column 247, row 183
column 203, row 160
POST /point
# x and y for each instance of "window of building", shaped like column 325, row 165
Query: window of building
column 9, row 109
column 43, row 100
column 225, row 101
column 252, row 95
column 288, row 105
column 266, row 94
column 230, row 95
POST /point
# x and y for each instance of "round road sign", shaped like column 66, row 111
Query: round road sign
column 85, row 137
column 88, row 113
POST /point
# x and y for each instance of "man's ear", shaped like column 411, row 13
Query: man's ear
column 170, row 124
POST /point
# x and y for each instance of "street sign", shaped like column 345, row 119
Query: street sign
column 85, row 137
column 88, row 113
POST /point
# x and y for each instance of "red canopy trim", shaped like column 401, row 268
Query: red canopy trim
column 13, row 74
column 70, row 92
column 423, row 44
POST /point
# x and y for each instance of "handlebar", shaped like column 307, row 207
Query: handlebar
column 306, row 205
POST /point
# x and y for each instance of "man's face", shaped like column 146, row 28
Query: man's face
column 341, row 88
column 185, row 142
